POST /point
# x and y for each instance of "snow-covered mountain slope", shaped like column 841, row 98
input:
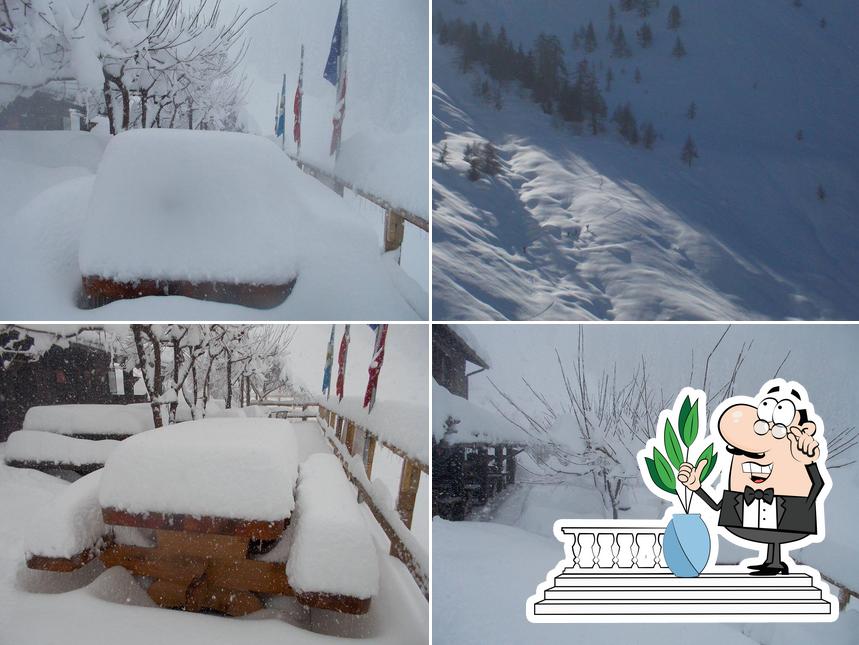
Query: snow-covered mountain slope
column 577, row 226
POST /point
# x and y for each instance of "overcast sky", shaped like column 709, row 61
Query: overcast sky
column 822, row 357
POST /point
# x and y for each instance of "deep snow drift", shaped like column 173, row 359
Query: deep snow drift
column 585, row 227
column 47, row 182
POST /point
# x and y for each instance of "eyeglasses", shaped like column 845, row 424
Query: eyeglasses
column 762, row 427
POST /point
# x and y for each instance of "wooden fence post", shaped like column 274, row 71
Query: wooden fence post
column 350, row 437
column 369, row 452
column 394, row 231
column 410, row 477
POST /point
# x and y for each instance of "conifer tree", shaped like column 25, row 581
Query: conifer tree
column 800, row 135
column 648, row 136
column 590, row 38
column 442, row 154
column 637, row 75
column 674, row 18
column 621, row 48
column 821, row 194
column 690, row 152
column 679, row 50
column 609, row 77
column 692, row 111
column 645, row 36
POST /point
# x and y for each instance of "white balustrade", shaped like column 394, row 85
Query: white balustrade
column 605, row 546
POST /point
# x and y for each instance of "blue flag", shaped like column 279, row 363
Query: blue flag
column 332, row 71
column 281, row 111
column 329, row 361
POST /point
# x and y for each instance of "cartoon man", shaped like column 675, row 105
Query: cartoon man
column 774, row 480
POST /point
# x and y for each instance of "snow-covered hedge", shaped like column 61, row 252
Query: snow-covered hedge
column 69, row 523
column 332, row 550
column 233, row 468
column 476, row 424
column 27, row 445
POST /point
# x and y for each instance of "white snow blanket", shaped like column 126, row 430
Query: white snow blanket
column 201, row 206
column 69, row 523
column 27, row 445
column 233, row 468
column 400, row 423
column 87, row 419
column 332, row 551
column 476, row 424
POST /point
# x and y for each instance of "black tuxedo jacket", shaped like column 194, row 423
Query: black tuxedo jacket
column 793, row 514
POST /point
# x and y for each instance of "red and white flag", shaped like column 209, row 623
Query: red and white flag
column 375, row 366
column 296, row 107
column 341, row 362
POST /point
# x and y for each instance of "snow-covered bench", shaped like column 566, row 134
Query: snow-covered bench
column 332, row 561
column 90, row 421
column 68, row 532
column 181, row 196
column 46, row 451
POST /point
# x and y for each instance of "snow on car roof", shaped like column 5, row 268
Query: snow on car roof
column 191, row 205
column 232, row 468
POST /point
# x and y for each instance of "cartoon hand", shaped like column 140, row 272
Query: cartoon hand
column 803, row 447
column 690, row 476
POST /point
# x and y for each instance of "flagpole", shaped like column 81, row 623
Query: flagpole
column 344, row 56
column 283, row 112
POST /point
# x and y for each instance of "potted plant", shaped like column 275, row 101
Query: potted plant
column 686, row 544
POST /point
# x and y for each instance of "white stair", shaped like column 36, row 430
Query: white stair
column 657, row 594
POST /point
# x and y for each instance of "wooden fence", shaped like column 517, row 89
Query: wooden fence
column 395, row 217
column 350, row 439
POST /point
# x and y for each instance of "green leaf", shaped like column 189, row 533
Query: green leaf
column 672, row 445
column 684, row 413
column 663, row 469
column 690, row 427
column 711, row 461
column 654, row 475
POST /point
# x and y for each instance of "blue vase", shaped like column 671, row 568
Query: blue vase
column 686, row 545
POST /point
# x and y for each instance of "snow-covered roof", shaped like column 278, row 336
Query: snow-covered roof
column 332, row 550
column 232, row 468
column 466, row 335
column 191, row 205
column 476, row 424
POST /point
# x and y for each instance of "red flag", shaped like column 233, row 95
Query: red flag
column 296, row 107
column 341, row 361
column 375, row 366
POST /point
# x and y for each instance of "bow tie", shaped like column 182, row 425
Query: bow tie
column 750, row 495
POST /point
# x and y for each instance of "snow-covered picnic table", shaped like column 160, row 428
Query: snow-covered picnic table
column 202, row 508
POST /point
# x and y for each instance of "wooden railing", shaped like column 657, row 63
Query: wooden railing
column 350, row 440
column 394, row 215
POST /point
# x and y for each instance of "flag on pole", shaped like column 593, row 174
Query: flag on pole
column 335, row 72
column 375, row 366
column 281, row 112
column 296, row 107
column 341, row 362
column 329, row 361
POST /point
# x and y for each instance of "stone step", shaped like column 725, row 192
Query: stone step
column 575, row 578
column 684, row 593
column 656, row 609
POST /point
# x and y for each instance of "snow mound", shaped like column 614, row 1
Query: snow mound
column 27, row 445
column 476, row 424
column 70, row 523
column 198, row 206
column 89, row 419
column 232, row 468
column 332, row 551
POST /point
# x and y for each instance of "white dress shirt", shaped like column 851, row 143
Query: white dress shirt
column 760, row 515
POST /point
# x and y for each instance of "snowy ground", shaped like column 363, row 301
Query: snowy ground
column 47, row 178
column 94, row 606
column 590, row 228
